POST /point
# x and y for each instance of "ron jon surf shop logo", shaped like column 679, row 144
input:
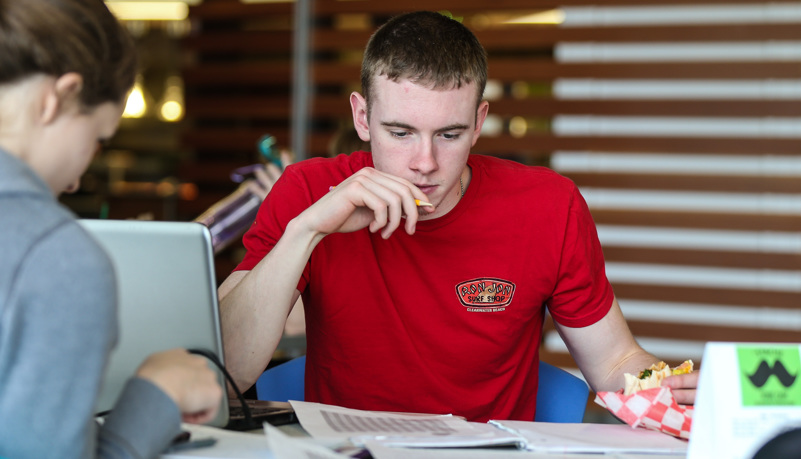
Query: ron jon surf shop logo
column 485, row 294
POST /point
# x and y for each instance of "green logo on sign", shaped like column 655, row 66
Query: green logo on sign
column 770, row 375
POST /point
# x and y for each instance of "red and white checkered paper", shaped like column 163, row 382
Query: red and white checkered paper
column 654, row 409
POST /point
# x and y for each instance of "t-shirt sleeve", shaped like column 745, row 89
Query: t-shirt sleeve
column 583, row 294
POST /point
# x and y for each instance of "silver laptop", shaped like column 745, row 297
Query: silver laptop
column 167, row 296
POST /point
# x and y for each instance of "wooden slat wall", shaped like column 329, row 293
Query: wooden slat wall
column 678, row 295
column 238, row 83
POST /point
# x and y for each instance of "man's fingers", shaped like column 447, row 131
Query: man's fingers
column 256, row 188
column 269, row 175
column 684, row 396
column 683, row 387
column 390, row 198
column 287, row 158
column 379, row 209
column 391, row 204
column 685, row 381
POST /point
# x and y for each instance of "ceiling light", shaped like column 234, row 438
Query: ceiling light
column 149, row 10
column 136, row 105
column 555, row 16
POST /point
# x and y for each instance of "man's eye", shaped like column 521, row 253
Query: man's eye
column 399, row 133
column 450, row 136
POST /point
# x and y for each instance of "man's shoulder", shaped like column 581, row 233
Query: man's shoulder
column 508, row 171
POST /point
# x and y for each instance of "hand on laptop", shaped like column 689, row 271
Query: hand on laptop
column 187, row 380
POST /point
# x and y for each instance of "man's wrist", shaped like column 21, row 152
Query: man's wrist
column 297, row 229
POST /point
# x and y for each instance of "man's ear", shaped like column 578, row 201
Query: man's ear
column 63, row 94
column 358, row 105
column 481, row 116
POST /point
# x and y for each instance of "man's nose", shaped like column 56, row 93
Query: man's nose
column 424, row 159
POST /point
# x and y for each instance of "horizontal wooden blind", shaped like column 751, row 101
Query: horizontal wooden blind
column 682, row 126
column 680, row 122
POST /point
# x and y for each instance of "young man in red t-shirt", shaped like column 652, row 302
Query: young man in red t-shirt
column 427, row 308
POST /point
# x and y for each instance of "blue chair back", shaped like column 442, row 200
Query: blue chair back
column 561, row 397
column 283, row 382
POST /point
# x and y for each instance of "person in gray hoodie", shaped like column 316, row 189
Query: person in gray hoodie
column 66, row 67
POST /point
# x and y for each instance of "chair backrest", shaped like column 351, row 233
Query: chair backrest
column 561, row 397
column 283, row 382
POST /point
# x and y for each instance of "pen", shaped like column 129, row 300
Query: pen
column 416, row 201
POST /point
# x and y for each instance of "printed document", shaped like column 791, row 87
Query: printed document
column 398, row 429
column 548, row 437
column 446, row 431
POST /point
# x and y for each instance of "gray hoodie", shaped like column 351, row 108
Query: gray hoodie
column 57, row 326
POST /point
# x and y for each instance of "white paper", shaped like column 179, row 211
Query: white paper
column 592, row 438
column 396, row 429
column 722, row 425
column 286, row 447
column 376, row 429
column 450, row 437
column 484, row 435
column 379, row 451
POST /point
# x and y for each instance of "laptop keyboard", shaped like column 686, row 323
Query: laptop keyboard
column 274, row 413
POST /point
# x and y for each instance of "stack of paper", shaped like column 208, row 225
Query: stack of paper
column 374, row 428
column 591, row 438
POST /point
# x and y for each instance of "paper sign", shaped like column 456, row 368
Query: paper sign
column 747, row 394
column 768, row 375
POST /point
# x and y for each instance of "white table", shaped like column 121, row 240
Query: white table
column 253, row 445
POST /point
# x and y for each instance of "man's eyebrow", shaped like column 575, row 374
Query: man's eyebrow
column 397, row 124
column 451, row 127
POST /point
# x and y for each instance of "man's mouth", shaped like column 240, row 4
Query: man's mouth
column 426, row 188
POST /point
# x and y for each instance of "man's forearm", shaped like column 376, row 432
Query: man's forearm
column 254, row 306
column 250, row 332
column 605, row 350
column 633, row 363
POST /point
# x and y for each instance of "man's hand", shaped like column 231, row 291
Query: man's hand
column 368, row 198
column 683, row 387
column 187, row 380
column 266, row 177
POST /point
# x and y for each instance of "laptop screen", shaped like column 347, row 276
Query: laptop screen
column 167, row 296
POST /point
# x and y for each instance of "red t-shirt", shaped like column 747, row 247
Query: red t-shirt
column 448, row 320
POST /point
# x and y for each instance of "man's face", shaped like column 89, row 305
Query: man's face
column 424, row 135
